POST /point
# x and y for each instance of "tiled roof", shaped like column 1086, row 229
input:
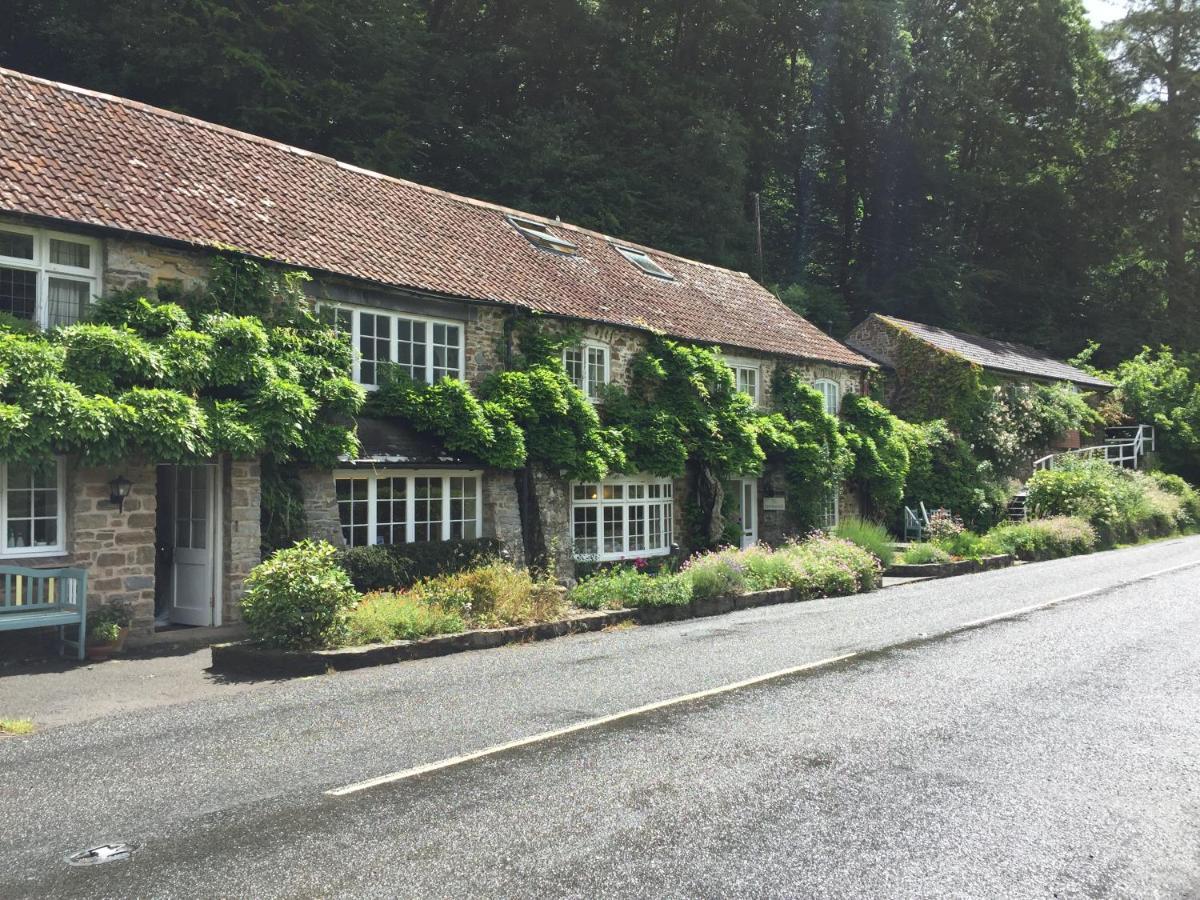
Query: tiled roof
column 78, row 156
column 1000, row 356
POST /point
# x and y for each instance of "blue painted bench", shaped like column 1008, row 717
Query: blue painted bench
column 45, row 598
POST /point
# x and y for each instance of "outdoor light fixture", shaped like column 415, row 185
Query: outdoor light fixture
column 119, row 490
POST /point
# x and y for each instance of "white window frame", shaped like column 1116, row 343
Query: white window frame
column 356, row 313
column 373, row 476
column 740, row 365
column 831, row 393
column 665, row 502
column 61, row 519
column 584, row 347
column 643, row 262
column 831, row 510
column 47, row 270
column 540, row 235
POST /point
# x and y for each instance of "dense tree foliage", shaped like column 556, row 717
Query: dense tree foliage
column 995, row 164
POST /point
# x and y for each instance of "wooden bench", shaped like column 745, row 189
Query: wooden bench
column 45, row 598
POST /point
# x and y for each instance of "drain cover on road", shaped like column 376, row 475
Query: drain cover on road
column 94, row 856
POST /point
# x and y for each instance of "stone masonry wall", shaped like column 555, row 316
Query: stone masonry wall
column 139, row 264
column 242, row 533
column 502, row 512
column 320, row 506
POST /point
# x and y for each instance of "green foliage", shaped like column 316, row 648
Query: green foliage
column 299, row 599
column 148, row 379
column 382, row 618
column 945, row 473
column 1157, row 387
column 282, row 507
column 389, row 566
column 881, row 459
column 1039, row 539
column 1015, row 423
column 1122, row 505
column 106, row 622
column 965, row 545
column 935, row 384
column 808, row 443
column 718, row 574
column 924, row 554
column 493, row 595
column 627, row 587
column 682, row 405
column 871, row 536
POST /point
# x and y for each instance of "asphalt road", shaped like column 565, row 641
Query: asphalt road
column 1049, row 754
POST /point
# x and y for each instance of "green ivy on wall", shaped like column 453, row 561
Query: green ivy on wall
column 243, row 367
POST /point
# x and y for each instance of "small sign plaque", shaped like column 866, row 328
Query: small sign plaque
column 774, row 503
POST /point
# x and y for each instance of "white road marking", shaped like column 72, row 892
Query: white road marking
column 588, row 724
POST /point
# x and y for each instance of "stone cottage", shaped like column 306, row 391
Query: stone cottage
column 98, row 193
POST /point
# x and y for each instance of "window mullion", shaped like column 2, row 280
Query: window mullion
column 372, row 494
column 445, row 507
column 410, row 507
column 355, row 356
column 4, row 503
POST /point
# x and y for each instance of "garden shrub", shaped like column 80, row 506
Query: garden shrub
column 1039, row 539
column 1121, row 504
column 871, row 536
column 924, row 554
column 719, row 574
column 945, row 472
column 493, row 595
column 624, row 586
column 299, row 599
column 766, row 569
column 831, row 567
column 1189, row 497
column 966, row 545
column 881, row 457
column 383, row 617
column 388, row 566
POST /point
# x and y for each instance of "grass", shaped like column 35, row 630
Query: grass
column 16, row 726
column 924, row 554
column 871, row 536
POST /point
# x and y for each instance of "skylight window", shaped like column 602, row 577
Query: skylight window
column 644, row 262
column 541, row 236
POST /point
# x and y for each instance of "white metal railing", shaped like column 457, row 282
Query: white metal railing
column 1123, row 446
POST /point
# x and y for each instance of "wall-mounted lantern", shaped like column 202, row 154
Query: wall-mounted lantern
column 119, row 490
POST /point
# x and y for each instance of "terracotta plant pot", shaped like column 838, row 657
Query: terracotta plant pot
column 106, row 650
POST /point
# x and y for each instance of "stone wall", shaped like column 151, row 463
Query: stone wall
column 502, row 512
column 130, row 264
column 320, row 506
column 242, row 547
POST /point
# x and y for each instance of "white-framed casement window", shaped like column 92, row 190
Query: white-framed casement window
column 830, row 510
column 587, row 367
column 47, row 277
column 32, row 507
column 747, row 376
column 427, row 349
column 405, row 507
column 831, row 393
column 622, row 518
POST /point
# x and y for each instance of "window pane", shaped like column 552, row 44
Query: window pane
column 16, row 245
column 18, row 293
column 66, row 301
column 573, row 363
column 614, row 529
column 597, row 375
column 585, row 531
column 19, row 533
column 427, row 509
column 353, row 510
column 391, row 511
column 45, row 532
column 69, row 253
column 462, row 508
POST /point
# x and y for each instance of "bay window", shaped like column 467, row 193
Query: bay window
column 31, row 508
column 398, row 507
column 426, row 349
column 45, row 277
column 622, row 518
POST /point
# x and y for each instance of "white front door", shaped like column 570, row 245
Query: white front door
column 741, row 506
column 193, row 586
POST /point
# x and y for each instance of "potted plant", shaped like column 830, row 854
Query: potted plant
column 107, row 629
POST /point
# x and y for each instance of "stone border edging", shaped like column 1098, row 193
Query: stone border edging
column 245, row 658
column 950, row 569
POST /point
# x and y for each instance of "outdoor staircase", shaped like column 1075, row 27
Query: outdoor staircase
column 1124, row 446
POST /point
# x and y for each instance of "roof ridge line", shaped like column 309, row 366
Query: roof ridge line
column 321, row 157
